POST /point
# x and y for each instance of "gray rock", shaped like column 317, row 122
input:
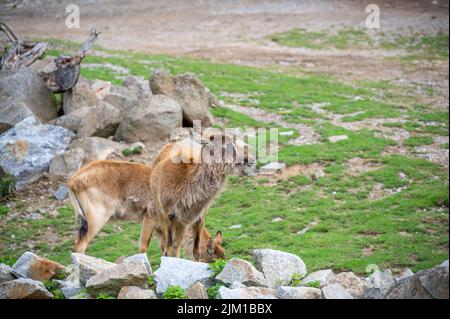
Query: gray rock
column 323, row 276
column 61, row 193
column 81, row 95
column 246, row 293
column 101, row 88
column 181, row 272
column 73, row 120
column 102, row 121
column 88, row 266
column 285, row 292
column 96, row 148
column 12, row 112
column 24, row 288
column 352, row 283
column 188, row 91
column 140, row 257
column 22, row 94
column 122, row 102
column 34, row 267
column 151, row 121
column 67, row 163
column 27, row 149
column 111, row 280
column 132, row 292
column 378, row 285
column 197, row 291
column 408, row 288
column 137, row 86
column 69, row 288
column 6, row 273
column 272, row 168
column 335, row 291
column 242, row 271
column 435, row 281
column 404, row 274
column 277, row 266
column 337, row 138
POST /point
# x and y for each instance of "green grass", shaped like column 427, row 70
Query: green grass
column 406, row 228
column 418, row 140
column 174, row 292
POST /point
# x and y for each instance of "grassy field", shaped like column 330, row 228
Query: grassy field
column 405, row 225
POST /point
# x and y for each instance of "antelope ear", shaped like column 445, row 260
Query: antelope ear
column 210, row 246
column 218, row 238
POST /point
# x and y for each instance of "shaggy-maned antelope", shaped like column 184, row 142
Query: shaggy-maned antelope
column 105, row 190
column 186, row 178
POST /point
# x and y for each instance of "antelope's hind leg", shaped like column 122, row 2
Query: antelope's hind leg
column 148, row 226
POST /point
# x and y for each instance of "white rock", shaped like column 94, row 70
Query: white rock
column 132, row 292
column 272, row 168
column 352, row 283
column 24, row 288
column 404, row 274
column 32, row 266
column 335, row 291
column 6, row 273
column 140, row 257
column 242, row 271
column 277, row 266
column 181, row 272
column 323, row 276
column 378, row 285
column 88, row 266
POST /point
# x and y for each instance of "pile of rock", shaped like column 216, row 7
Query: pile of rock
column 96, row 119
column 276, row 275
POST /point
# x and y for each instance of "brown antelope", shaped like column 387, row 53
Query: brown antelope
column 105, row 190
column 184, row 182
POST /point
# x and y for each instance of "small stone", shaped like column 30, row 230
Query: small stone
column 242, row 271
column 132, row 292
column 323, row 276
column 335, row 291
column 197, row 291
column 272, row 168
column 237, row 226
column 277, row 266
column 337, row 138
column 24, row 288
column 61, row 193
column 285, row 292
column 277, row 219
column 34, row 267
column 246, row 293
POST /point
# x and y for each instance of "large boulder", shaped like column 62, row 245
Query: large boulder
column 187, row 90
column 286, row 292
column 142, row 258
column 352, row 283
column 67, row 163
column 242, row 271
column 27, row 149
column 137, row 86
column 81, row 95
column 111, row 280
column 408, row 288
column 73, row 120
column 180, row 272
column 123, row 101
column 24, row 288
column 246, row 293
column 35, row 267
column 277, row 266
column 132, row 292
column 22, row 94
column 150, row 121
column 101, row 121
column 378, row 285
column 6, row 273
column 88, row 266
column 96, row 148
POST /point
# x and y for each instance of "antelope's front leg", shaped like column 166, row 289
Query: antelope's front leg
column 196, row 232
